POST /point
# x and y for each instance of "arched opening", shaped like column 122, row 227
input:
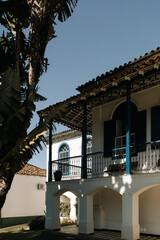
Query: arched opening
column 120, row 118
column 149, row 210
column 68, row 210
column 120, row 122
column 107, row 209
column 115, row 132
column 55, row 212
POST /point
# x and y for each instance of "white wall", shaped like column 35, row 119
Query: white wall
column 149, row 211
column 75, row 145
column 143, row 100
column 107, row 209
column 75, row 148
column 24, row 199
column 107, row 203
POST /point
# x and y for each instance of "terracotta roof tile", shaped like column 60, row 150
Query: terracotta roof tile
column 81, row 88
column 32, row 170
column 104, row 80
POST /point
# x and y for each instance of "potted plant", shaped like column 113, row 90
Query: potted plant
column 58, row 175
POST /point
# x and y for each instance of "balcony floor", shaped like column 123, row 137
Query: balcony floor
column 71, row 232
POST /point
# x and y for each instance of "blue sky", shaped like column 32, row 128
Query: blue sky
column 99, row 36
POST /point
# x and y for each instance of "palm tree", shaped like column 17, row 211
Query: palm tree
column 22, row 63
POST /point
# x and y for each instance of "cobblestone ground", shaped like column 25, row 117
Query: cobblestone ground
column 106, row 235
column 117, row 236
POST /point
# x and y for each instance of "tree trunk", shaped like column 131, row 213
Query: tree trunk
column 5, row 184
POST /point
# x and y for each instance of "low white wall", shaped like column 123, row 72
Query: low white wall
column 24, row 198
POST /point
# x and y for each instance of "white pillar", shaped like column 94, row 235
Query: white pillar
column 52, row 216
column 86, row 214
column 130, row 217
column 73, row 208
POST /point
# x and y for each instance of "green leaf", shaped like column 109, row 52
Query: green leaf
column 10, row 94
column 24, row 149
column 39, row 97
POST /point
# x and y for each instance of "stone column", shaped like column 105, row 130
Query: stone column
column 52, row 215
column 130, row 217
column 86, row 225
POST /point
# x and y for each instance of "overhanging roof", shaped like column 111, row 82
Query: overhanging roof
column 142, row 73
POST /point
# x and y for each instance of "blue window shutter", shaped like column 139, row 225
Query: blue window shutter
column 109, row 136
column 140, row 131
column 155, row 123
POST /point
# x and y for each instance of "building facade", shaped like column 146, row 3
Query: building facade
column 119, row 189
column 26, row 198
column 66, row 154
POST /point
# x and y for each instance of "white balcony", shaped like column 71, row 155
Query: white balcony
column 98, row 166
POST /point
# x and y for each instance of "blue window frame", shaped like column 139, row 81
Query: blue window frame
column 63, row 160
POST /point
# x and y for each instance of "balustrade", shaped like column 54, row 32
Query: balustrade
column 99, row 166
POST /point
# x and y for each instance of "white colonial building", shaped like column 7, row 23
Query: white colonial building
column 66, row 154
column 118, row 184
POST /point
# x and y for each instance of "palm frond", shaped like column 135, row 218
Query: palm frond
column 24, row 149
column 9, row 94
column 65, row 9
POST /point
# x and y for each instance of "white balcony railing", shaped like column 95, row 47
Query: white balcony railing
column 98, row 165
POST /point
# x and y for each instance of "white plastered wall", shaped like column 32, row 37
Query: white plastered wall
column 109, row 195
column 75, row 149
column 24, row 198
column 75, row 145
column 149, row 200
column 143, row 100
column 149, row 211
column 107, row 210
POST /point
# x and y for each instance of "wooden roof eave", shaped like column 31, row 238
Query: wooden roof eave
column 61, row 112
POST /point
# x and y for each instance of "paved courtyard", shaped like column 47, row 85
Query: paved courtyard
column 72, row 232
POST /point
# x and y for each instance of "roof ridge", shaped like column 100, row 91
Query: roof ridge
column 32, row 170
column 136, row 60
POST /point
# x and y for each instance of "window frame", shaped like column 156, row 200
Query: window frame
column 64, row 173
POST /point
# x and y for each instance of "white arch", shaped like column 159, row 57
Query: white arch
column 100, row 188
column 62, row 191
